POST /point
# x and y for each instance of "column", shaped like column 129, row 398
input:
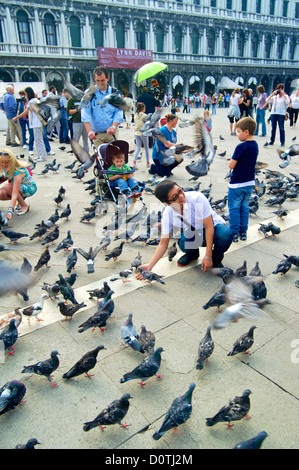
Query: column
column 150, row 38
column 110, row 34
column 131, row 38
column 204, row 44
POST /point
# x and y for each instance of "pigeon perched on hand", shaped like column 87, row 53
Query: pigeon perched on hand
column 113, row 414
column 85, row 364
column 236, row 410
column 129, row 334
column 11, row 395
column 45, row 368
column 243, row 343
column 205, row 349
column 150, row 276
column 146, row 369
column 178, row 413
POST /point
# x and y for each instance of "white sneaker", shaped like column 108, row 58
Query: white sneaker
column 30, row 152
column 25, row 146
column 39, row 159
column 51, row 152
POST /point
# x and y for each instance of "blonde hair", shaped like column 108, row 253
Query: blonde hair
column 6, row 155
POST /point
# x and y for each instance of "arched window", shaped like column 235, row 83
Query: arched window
column 23, row 27
column 75, row 31
column 98, row 32
column 280, row 47
column 30, row 77
column 268, row 46
column 50, row 30
column 178, row 39
column 241, row 44
column 194, row 40
column 159, row 38
column 254, row 44
column 211, row 41
column 292, row 48
column 120, row 34
column 140, row 36
column 226, row 43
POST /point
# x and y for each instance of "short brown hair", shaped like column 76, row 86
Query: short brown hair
column 99, row 70
column 247, row 124
column 261, row 89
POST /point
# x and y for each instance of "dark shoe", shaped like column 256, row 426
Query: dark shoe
column 15, row 145
column 271, row 143
column 217, row 265
column 235, row 238
column 186, row 259
column 243, row 236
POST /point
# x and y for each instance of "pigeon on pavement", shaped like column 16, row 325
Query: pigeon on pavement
column 243, row 343
column 11, row 395
column 147, row 340
column 256, row 271
column 13, row 236
column 43, row 260
column 136, row 261
column 52, row 290
column 85, row 364
column 99, row 293
column 113, row 414
column 146, row 369
column 45, row 368
column 71, row 261
column 283, row 267
column 253, row 443
column 205, row 349
column 115, row 253
column 129, row 334
column 68, row 310
column 217, row 299
column 51, row 237
column 30, row 444
column 98, row 319
column 35, row 309
column 66, row 290
column 9, row 336
column 236, row 410
column 178, row 413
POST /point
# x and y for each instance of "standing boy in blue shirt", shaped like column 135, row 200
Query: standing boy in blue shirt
column 242, row 179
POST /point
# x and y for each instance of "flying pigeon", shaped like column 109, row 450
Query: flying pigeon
column 79, row 95
column 113, row 414
column 11, row 395
column 85, row 364
column 177, row 414
column 146, row 369
column 243, row 343
column 9, row 336
column 236, row 410
column 90, row 256
column 129, row 334
column 45, row 368
column 68, row 310
column 205, row 349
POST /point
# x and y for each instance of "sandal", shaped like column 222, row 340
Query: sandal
column 22, row 213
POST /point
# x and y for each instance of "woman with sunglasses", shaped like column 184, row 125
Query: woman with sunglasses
column 159, row 167
column 20, row 183
column 196, row 223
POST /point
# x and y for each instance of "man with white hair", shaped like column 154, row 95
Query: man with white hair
column 10, row 106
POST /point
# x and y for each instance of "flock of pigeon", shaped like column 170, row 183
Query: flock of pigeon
column 245, row 294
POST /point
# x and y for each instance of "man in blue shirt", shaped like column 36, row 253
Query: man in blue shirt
column 10, row 107
column 101, row 123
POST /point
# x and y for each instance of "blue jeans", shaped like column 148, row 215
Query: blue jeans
column 238, row 206
column 64, row 131
column 125, row 184
column 222, row 241
column 277, row 119
column 260, row 119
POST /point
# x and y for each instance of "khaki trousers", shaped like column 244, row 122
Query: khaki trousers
column 14, row 131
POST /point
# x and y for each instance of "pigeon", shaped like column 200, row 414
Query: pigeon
column 256, row 271
column 90, row 257
column 242, row 270
column 53, row 219
column 83, row 157
column 13, row 280
column 13, row 236
column 58, row 199
column 71, row 279
column 259, row 290
column 273, row 229
column 68, row 310
column 66, row 213
column 253, row 443
column 9, row 336
column 99, row 293
column 26, row 267
column 293, row 260
column 71, row 165
column 129, row 334
column 136, row 261
column 39, row 232
column 30, row 444
column 264, row 229
column 66, row 290
column 79, row 95
column 226, row 274
column 221, row 138
column 102, row 303
column 55, row 169
column 222, row 154
column 283, row 267
column 43, row 260
column 62, row 191
column 147, row 340
column 71, row 260
column 52, row 290
column 146, row 369
column 66, row 243
column 243, row 343
column 85, row 364
column 127, row 234
column 98, row 319
column 113, row 414
column 125, row 274
column 45, row 368
column 172, row 251
column 217, row 299
column 35, row 309
column 177, row 414
column 11, row 395
column 205, row 349
column 115, row 253
column 236, row 409
column 51, row 237
column 149, row 276
column 88, row 217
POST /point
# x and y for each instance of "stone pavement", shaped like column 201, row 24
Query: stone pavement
column 55, row 416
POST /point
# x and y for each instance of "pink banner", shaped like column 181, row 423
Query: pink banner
column 116, row 58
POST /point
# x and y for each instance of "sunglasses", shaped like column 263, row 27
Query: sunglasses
column 5, row 154
column 175, row 198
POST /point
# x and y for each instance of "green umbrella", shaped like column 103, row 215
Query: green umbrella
column 148, row 71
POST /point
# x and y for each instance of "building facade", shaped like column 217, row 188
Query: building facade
column 249, row 41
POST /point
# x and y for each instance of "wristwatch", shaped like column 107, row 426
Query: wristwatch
column 114, row 127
